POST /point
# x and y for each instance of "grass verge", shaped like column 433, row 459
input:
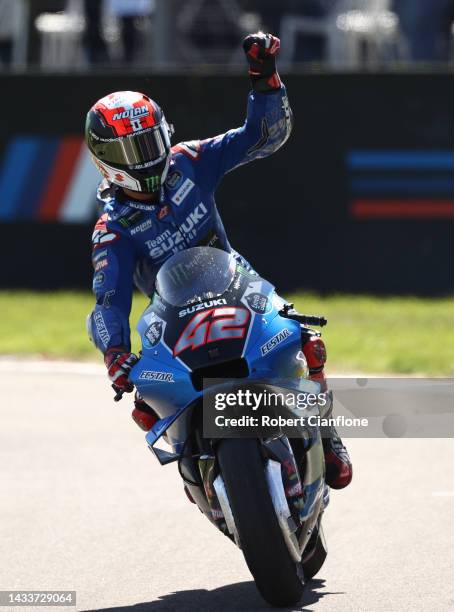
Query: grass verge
column 364, row 334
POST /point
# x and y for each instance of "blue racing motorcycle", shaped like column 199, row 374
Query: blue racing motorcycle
column 213, row 320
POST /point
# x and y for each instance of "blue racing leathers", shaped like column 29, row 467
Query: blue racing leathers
column 132, row 239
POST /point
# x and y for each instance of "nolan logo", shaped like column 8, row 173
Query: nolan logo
column 142, row 227
column 132, row 113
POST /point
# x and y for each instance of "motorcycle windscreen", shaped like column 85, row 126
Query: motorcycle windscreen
column 195, row 275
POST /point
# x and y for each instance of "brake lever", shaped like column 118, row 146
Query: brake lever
column 119, row 394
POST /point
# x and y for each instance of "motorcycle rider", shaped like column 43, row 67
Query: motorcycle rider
column 159, row 199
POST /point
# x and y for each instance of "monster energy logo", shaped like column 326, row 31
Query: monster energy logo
column 153, row 183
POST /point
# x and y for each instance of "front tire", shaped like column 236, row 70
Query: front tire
column 313, row 563
column 276, row 574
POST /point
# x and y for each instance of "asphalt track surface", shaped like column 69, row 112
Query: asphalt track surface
column 85, row 506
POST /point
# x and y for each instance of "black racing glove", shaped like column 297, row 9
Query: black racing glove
column 261, row 51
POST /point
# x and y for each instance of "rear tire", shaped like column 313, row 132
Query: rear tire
column 266, row 554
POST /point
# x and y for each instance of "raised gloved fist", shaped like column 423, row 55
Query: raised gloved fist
column 119, row 363
column 261, row 51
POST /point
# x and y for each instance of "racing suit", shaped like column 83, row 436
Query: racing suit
column 132, row 240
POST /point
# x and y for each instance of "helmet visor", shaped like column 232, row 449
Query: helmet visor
column 145, row 148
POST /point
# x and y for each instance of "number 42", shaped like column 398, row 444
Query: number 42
column 228, row 323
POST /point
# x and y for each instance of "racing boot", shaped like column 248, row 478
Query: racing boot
column 339, row 470
column 143, row 415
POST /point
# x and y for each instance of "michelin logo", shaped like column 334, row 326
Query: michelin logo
column 183, row 192
column 275, row 341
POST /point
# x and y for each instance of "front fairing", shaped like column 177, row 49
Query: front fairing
column 270, row 345
column 161, row 379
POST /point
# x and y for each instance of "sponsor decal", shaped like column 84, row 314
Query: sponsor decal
column 183, row 191
column 102, row 263
column 203, row 306
column 107, row 298
column 275, row 341
column 143, row 227
column 113, row 175
column 102, row 237
column 153, row 182
column 98, row 280
column 258, row 303
column 137, row 206
column 101, row 328
column 131, row 219
column 153, row 334
column 174, row 179
column 133, row 113
column 213, row 240
column 158, row 376
column 163, row 212
column 99, row 255
column 175, row 241
column 237, row 282
column 263, row 141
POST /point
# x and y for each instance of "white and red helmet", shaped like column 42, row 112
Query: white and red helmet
column 129, row 139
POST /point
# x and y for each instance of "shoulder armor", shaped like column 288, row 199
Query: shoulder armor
column 190, row 149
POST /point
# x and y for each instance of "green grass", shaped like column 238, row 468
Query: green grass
column 364, row 334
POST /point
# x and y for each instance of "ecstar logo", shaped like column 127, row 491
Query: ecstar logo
column 275, row 341
column 157, row 376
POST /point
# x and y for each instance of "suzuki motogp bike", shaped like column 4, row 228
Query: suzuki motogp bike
column 211, row 319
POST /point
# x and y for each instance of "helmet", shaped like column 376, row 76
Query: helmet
column 129, row 140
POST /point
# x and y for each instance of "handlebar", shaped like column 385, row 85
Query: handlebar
column 290, row 313
column 313, row 320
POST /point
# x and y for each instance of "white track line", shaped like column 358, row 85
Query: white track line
column 26, row 364
column 18, row 366
column 443, row 493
